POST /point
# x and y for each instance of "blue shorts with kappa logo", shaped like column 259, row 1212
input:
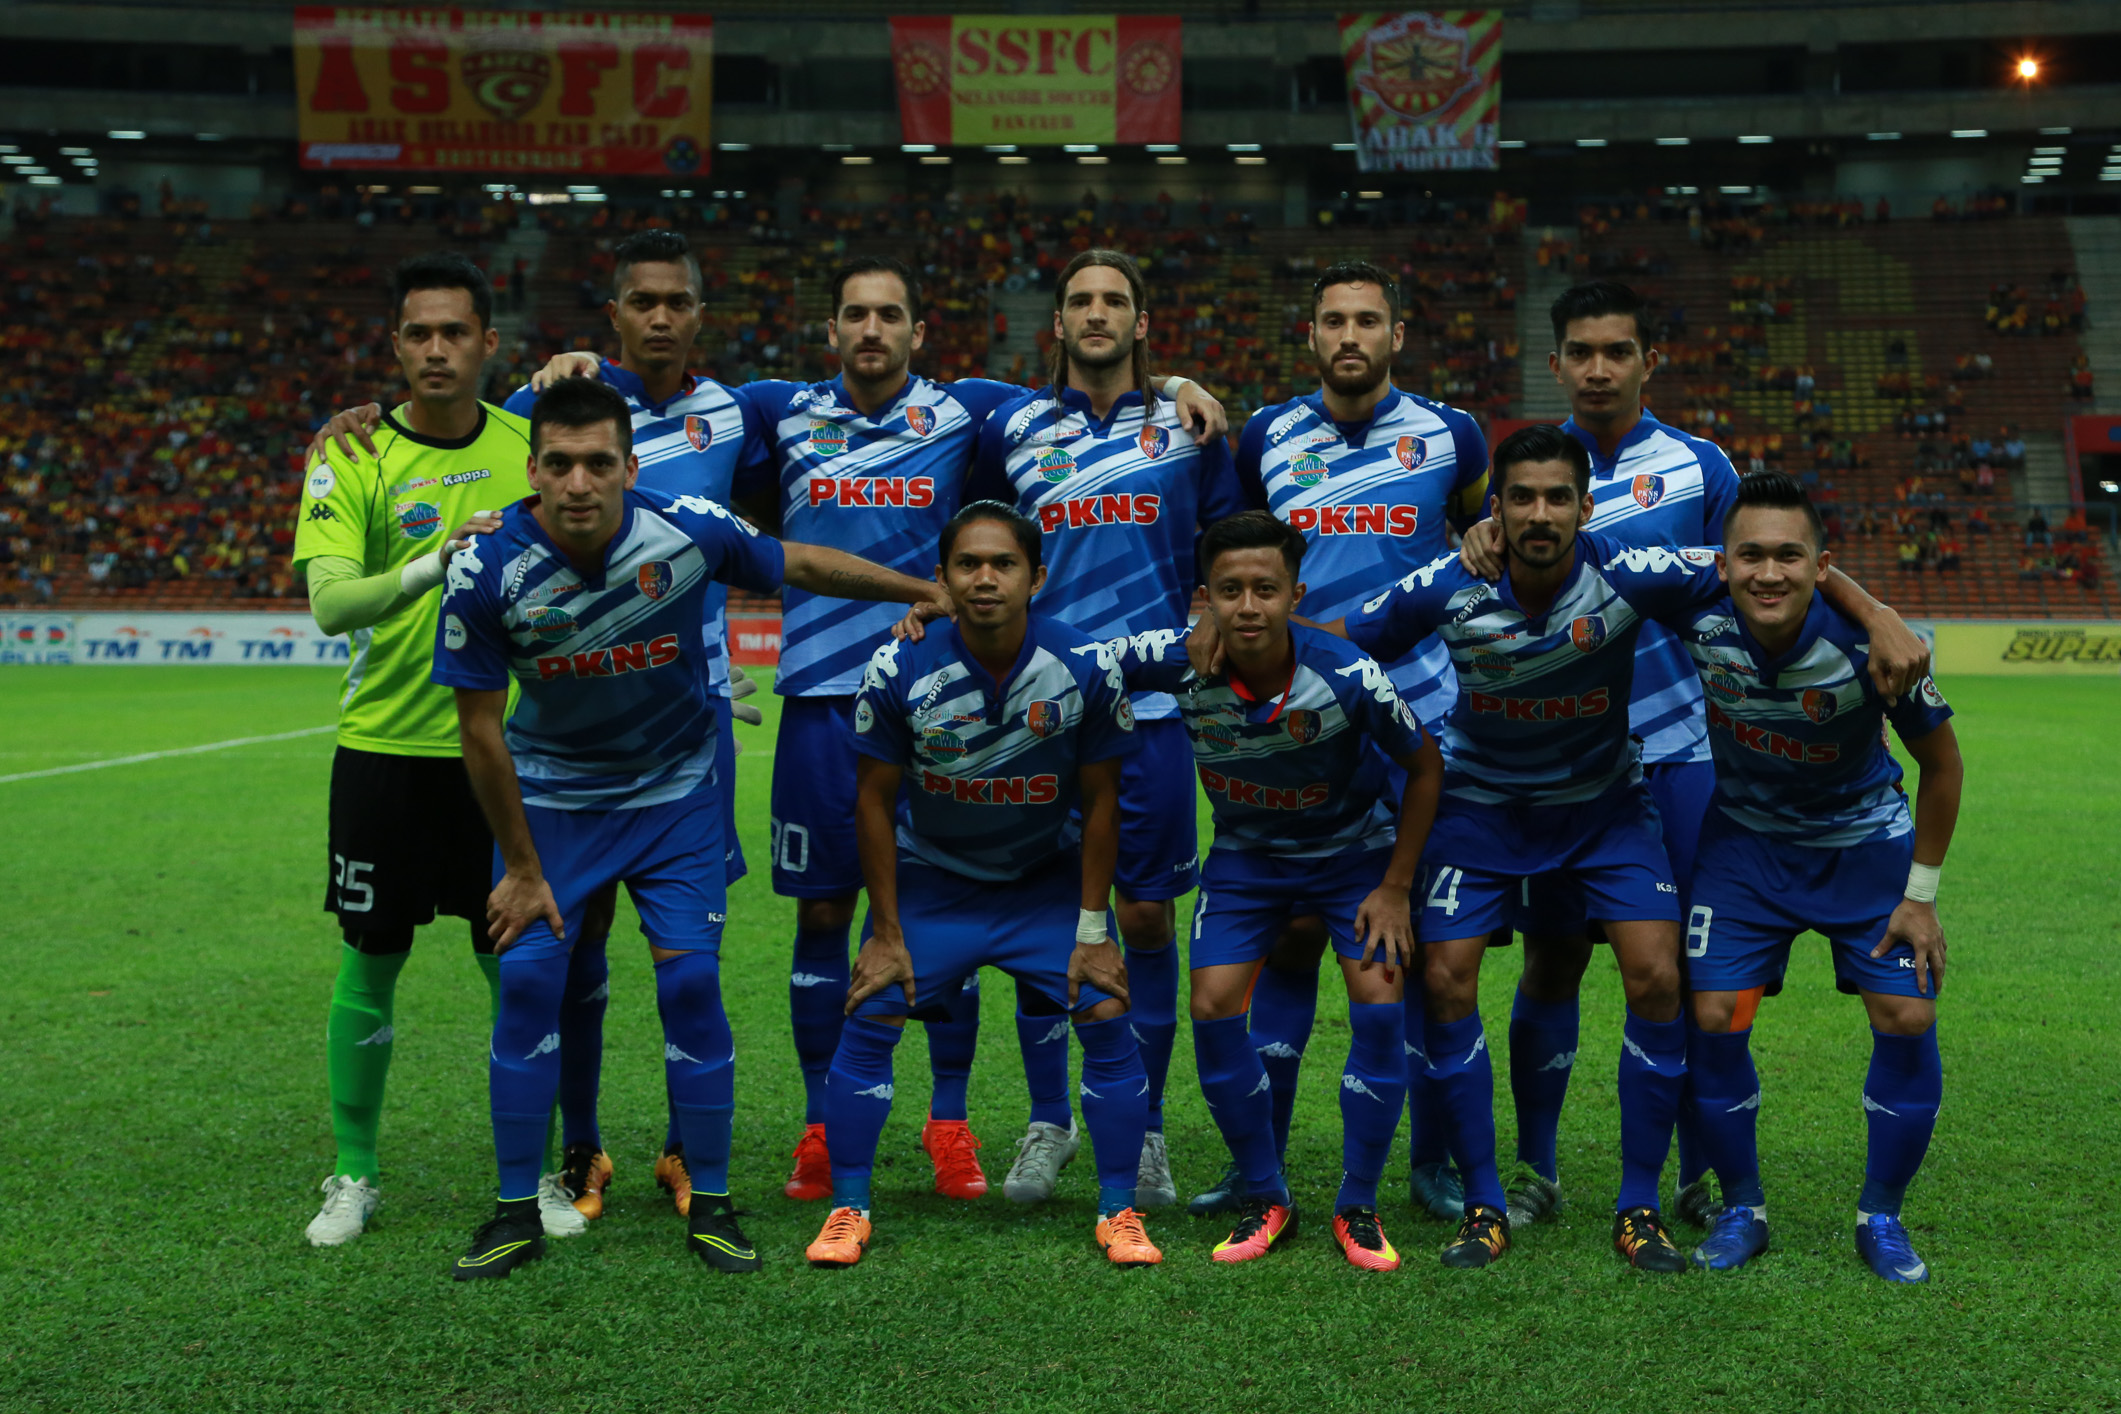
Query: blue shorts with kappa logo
column 1681, row 791
column 1753, row 895
column 1247, row 898
column 668, row 856
column 814, row 853
column 1487, row 866
column 954, row 926
column 1159, row 822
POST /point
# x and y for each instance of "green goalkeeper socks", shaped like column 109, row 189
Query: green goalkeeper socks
column 357, row 1045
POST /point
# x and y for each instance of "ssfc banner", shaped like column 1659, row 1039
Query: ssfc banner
column 1422, row 88
column 966, row 80
column 565, row 93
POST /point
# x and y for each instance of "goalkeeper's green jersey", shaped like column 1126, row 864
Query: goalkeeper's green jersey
column 382, row 512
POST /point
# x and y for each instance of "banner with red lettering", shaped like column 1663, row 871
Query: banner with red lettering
column 1423, row 89
column 969, row 80
column 569, row 94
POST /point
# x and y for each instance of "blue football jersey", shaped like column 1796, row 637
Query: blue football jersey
column 1800, row 738
column 991, row 783
column 1370, row 498
column 1540, row 714
column 877, row 486
column 617, row 705
column 1661, row 487
column 1300, row 777
column 690, row 445
column 1119, row 501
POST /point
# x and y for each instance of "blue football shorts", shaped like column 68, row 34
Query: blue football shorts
column 1159, row 823
column 814, row 854
column 668, row 856
column 1246, row 899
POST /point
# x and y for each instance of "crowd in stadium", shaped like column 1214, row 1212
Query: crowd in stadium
column 161, row 393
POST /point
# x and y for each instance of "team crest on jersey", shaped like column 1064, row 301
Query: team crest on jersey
column 1043, row 719
column 1587, row 633
column 1155, row 441
column 1819, row 706
column 1492, row 665
column 1412, row 451
column 419, row 519
column 1726, row 688
column 655, row 578
column 698, row 431
column 1054, row 464
column 921, row 419
column 827, row 439
column 549, row 622
column 1303, row 726
column 1308, row 470
column 1648, row 490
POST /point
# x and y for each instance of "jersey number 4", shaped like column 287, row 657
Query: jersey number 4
column 1443, row 890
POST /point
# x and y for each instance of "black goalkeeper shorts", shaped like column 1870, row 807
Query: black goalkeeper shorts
column 407, row 842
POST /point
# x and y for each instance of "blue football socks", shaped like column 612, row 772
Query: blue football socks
column 699, row 1063
column 1115, row 1092
column 1542, row 1054
column 1900, row 1099
column 582, row 1007
column 1727, row 1098
column 1284, row 1007
column 1464, row 1075
column 1652, row 1069
column 857, row 1102
column 950, row 1047
column 1428, row 1127
column 817, row 1001
column 523, row 1072
column 1152, row 1006
column 1373, row 1087
column 1043, row 1041
column 1236, row 1087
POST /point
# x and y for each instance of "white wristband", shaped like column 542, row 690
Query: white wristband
column 1090, row 928
column 421, row 575
column 1172, row 384
column 1922, row 882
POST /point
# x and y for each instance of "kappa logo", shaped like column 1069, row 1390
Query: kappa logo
column 1627, row 1043
column 1587, row 633
column 465, row 478
column 1260, row 1089
column 671, row 1052
column 1058, row 1033
column 1281, row 1050
column 807, row 979
column 1154, row 442
column 1356, row 1085
column 1648, row 490
column 1820, row 706
column 875, row 1092
column 1043, row 719
column 1412, row 452
column 920, row 419
column 655, row 578
column 698, row 431
column 1750, row 1102
column 1871, row 1104
column 1560, row 1060
column 1480, row 1043
column 601, row 994
column 1303, row 726
column 1055, row 464
column 381, row 1036
column 545, row 1047
column 320, row 511
column 1087, row 1093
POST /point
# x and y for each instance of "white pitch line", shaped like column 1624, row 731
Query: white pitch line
column 159, row 755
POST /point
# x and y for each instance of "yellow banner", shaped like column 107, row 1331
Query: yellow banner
column 2028, row 650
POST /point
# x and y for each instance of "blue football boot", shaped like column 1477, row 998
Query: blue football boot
column 1882, row 1242
column 1738, row 1237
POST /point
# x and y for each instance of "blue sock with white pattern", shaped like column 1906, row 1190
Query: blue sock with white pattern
column 699, row 1063
column 1372, row 1089
column 857, row 1102
column 1284, row 1008
column 523, row 1068
column 817, row 1004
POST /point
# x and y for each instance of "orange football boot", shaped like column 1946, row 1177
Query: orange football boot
column 586, row 1171
column 950, row 1143
column 1125, row 1241
column 1362, row 1240
column 841, row 1242
column 674, row 1178
column 1261, row 1223
column 812, row 1178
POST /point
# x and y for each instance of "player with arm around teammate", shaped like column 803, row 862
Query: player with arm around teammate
column 1810, row 829
column 996, row 726
column 592, row 598
column 1292, row 741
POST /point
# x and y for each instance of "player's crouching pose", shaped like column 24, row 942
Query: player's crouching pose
column 996, row 725
column 1292, row 741
column 1810, row 830
column 594, row 598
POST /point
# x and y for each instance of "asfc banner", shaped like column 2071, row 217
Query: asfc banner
column 1422, row 88
column 2028, row 650
column 570, row 94
column 965, row 80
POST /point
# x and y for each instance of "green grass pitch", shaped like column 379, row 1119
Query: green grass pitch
column 166, row 973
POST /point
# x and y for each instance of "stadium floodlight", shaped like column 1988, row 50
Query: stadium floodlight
column 10, row 147
column 76, row 152
column 89, row 162
column 1736, row 191
column 1169, row 161
column 1093, row 159
column 2056, row 132
column 41, row 181
column 744, row 146
column 1754, row 139
column 34, row 171
column 1885, row 137
column 1243, row 147
column 1251, row 161
column 1350, row 147
column 2028, row 68
column 685, row 196
column 721, row 196
column 1161, row 147
column 916, row 147
column 1506, row 142
column 1078, row 147
column 2032, row 179
column 1690, row 191
column 17, row 160
column 2110, row 176
column 577, row 190
column 857, row 159
column 1370, row 195
column 941, row 159
column 2110, row 487
column 1675, row 142
column 1009, row 161
column 2049, row 151
column 207, row 137
column 1590, row 142
column 1001, row 147
column 1969, row 132
column 125, row 134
